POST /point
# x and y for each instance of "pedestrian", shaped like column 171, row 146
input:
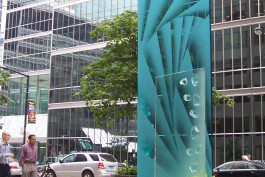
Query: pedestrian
column 133, row 160
column 249, row 157
column 28, row 158
column 5, row 155
column 246, row 157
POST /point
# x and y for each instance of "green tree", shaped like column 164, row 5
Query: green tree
column 112, row 81
column 4, row 99
column 218, row 98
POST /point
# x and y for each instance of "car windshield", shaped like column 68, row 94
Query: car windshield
column 107, row 157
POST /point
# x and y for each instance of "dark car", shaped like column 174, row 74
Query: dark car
column 240, row 169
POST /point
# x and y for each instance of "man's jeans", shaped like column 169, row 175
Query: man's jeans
column 29, row 170
column 4, row 170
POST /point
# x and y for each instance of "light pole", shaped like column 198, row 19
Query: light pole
column 26, row 102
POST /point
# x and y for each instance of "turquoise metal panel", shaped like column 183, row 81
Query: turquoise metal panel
column 174, row 38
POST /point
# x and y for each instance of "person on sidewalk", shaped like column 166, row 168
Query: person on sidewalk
column 133, row 160
column 5, row 155
column 28, row 158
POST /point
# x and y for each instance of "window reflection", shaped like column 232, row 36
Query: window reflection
column 38, row 89
column 237, row 79
column 227, row 10
column 219, row 50
column 76, row 130
column 238, row 114
column 62, row 70
column 263, row 77
column 219, row 150
column 245, row 120
column 256, row 77
column 244, row 9
column 236, row 9
column 218, row 11
column 227, row 49
column 254, row 8
column 228, row 80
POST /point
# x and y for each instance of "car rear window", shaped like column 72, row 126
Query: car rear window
column 243, row 165
column 259, row 165
column 94, row 157
column 107, row 157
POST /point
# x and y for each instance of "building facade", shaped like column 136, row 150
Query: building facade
column 50, row 40
column 239, row 70
column 27, row 48
column 71, row 126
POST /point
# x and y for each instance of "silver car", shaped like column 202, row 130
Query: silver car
column 84, row 165
column 53, row 159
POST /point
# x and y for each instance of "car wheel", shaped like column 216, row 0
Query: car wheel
column 50, row 173
column 87, row 174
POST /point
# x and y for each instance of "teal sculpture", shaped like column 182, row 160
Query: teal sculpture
column 174, row 87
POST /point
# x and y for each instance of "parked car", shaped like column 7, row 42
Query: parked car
column 122, row 165
column 53, row 159
column 240, row 169
column 87, row 164
column 15, row 168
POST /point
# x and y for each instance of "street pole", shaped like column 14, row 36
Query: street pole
column 26, row 111
column 26, row 102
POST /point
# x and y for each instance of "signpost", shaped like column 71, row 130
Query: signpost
column 31, row 112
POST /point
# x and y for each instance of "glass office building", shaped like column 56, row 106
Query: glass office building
column 50, row 41
column 72, row 127
column 27, row 48
column 239, row 71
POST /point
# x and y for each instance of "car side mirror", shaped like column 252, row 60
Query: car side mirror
column 218, row 169
column 60, row 161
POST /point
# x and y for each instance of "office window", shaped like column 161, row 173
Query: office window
column 227, row 10
column 235, row 10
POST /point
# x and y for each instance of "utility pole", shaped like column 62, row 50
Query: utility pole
column 26, row 102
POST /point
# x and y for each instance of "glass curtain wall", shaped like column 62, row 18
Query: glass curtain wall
column 238, row 69
column 231, row 10
column 240, row 130
column 38, row 92
column 74, row 128
column 28, row 37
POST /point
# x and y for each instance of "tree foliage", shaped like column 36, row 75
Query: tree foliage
column 112, row 80
column 4, row 99
column 219, row 98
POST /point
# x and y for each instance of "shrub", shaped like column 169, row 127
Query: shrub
column 127, row 170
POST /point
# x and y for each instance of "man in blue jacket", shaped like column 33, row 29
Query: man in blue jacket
column 5, row 155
